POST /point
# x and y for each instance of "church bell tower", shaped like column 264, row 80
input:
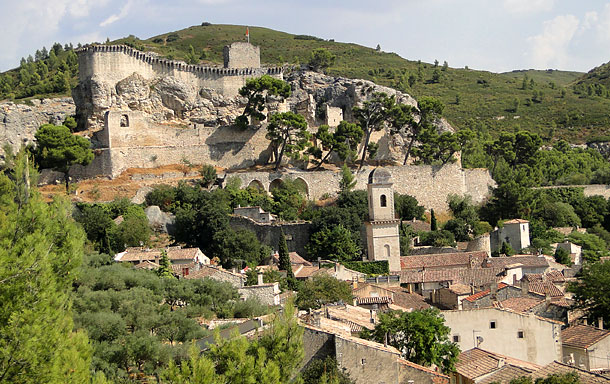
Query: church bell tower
column 382, row 229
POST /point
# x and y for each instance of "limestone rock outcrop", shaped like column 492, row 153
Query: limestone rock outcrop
column 19, row 122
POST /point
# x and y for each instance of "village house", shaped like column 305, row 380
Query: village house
column 515, row 232
column 452, row 296
column 365, row 361
column 478, row 366
column 372, row 296
column 176, row 255
column 586, row 347
column 521, row 336
column 218, row 273
column 255, row 213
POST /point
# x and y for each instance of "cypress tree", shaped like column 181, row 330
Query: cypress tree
column 284, row 262
column 433, row 224
column 165, row 268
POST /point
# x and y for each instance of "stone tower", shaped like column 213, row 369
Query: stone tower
column 382, row 229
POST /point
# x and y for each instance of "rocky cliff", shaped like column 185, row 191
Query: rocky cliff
column 19, row 122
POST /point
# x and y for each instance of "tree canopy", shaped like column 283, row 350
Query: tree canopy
column 288, row 134
column 255, row 91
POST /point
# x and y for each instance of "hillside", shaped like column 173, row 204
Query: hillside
column 489, row 102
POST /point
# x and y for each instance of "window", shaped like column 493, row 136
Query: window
column 387, row 250
column 520, row 334
column 492, row 324
column 124, row 121
column 383, row 200
column 456, row 338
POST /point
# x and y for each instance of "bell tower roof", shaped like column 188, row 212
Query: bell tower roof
column 380, row 176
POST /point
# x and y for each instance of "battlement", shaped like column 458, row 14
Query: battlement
column 175, row 65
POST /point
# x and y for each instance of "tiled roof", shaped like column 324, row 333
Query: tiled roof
column 526, row 261
column 504, row 374
column 303, row 271
column 422, row 368
column 460, row 289
column 556, row 367
column 520, row 304
column 208, row 270
column 146, row 264
column 544, row 287
column 443, row 260
column 552, row 276
column 476, row 277
column 582, row 336
column 295, row 258
column 373, row 300
column 404, row 299
column 173, row 253
column 478, row 295
column 516, row 221
column 418, row 225
column 476, row 362
column 350, row 314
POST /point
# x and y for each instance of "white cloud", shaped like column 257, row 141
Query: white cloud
column 528, row 6
column 603, row 24
column 550, row 48
column 124, row 11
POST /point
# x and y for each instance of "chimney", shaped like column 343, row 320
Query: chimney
column 600, row 322
column 493, row 289
column 515, row 280
column 501, row 362
column 547, row 298
column 355, row 282
column 156, row 259
column 525, row 287
column 260, row 278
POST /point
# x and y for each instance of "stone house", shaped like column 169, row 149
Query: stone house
column 442, row 261
column 486, row 298
column 176, row 255
column 365, row 361
column 574, row 250
column 526, row 263
column 478, row 366
column 371, row 296
column 265, row 293
column 452, row 296
column 521, row 336
column 515, row 232
column 237, row 280
column 586, row 347
column 255, row 213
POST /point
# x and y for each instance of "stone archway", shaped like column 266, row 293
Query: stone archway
column 275, row 183
column 256, row 184
column 302, row 185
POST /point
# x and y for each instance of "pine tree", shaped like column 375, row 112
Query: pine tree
column 165, row 267
column 41, row 249
column 284, row 263
column 347, row 179
column 433, row 224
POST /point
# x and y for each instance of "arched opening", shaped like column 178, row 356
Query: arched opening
column 256, row 184
column 302, row 185
column 387, row 250
column 383, row 200
column 275, row 183
column 124, row 121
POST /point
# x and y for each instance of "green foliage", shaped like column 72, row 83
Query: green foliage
column 421, row 336
column 465, row 223
column 407, row 207
column 374, row 268
column 506, row 249
column 562, row 256
column 270, row 359
column 41, row 250
column 371, row 117
column 321, row 59
column 348, row 180
column 165, row 267
column 324, row 371
column 288, row 134
column 343, row 141
column 439, row 238
column 592, row 290
column 58, row 148
column 255, row 91
column 284, row 262
column 289, row 200
column 334, row 243
column 163, row 196
column 323, row 289
column 208, row 175
column 433, row 223
column 593, row 247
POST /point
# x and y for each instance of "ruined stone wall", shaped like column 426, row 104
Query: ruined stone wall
column 430, row 185
column 241, row 55
column 266, row 294
column 297, row 234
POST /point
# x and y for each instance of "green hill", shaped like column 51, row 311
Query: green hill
column 552, row 103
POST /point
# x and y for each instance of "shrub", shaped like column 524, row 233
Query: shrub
column 369, row 267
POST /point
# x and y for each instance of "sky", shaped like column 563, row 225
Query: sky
column 493, row 35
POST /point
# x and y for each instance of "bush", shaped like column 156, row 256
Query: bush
column 562, row 256
column 208, row 173
column 381, row 267
column 440, row 238
column 164, row 196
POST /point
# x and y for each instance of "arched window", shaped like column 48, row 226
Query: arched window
column 124, row 121
column 383, row 200
column 387, row 250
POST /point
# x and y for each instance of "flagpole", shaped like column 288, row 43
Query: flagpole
column 248, row 34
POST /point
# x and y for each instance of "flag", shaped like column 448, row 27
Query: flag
column 247, row 32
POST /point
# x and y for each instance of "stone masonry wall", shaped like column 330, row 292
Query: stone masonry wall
column 241, row 55
column 430, row 185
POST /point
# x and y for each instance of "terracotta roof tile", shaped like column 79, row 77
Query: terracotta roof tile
column 504, row 374
column 373, row 300
column 478, row 295
column 304, row 271
column 208, row 270
column 582, row 336
column 545, row 287
column 422, row 368
column 460, row 289
column 476, row 277
column 443, row 260
column 520, row 304
column 516, row 221
column 173, row 253
column 476, row 362
column 556, row 367
column 526, row 261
